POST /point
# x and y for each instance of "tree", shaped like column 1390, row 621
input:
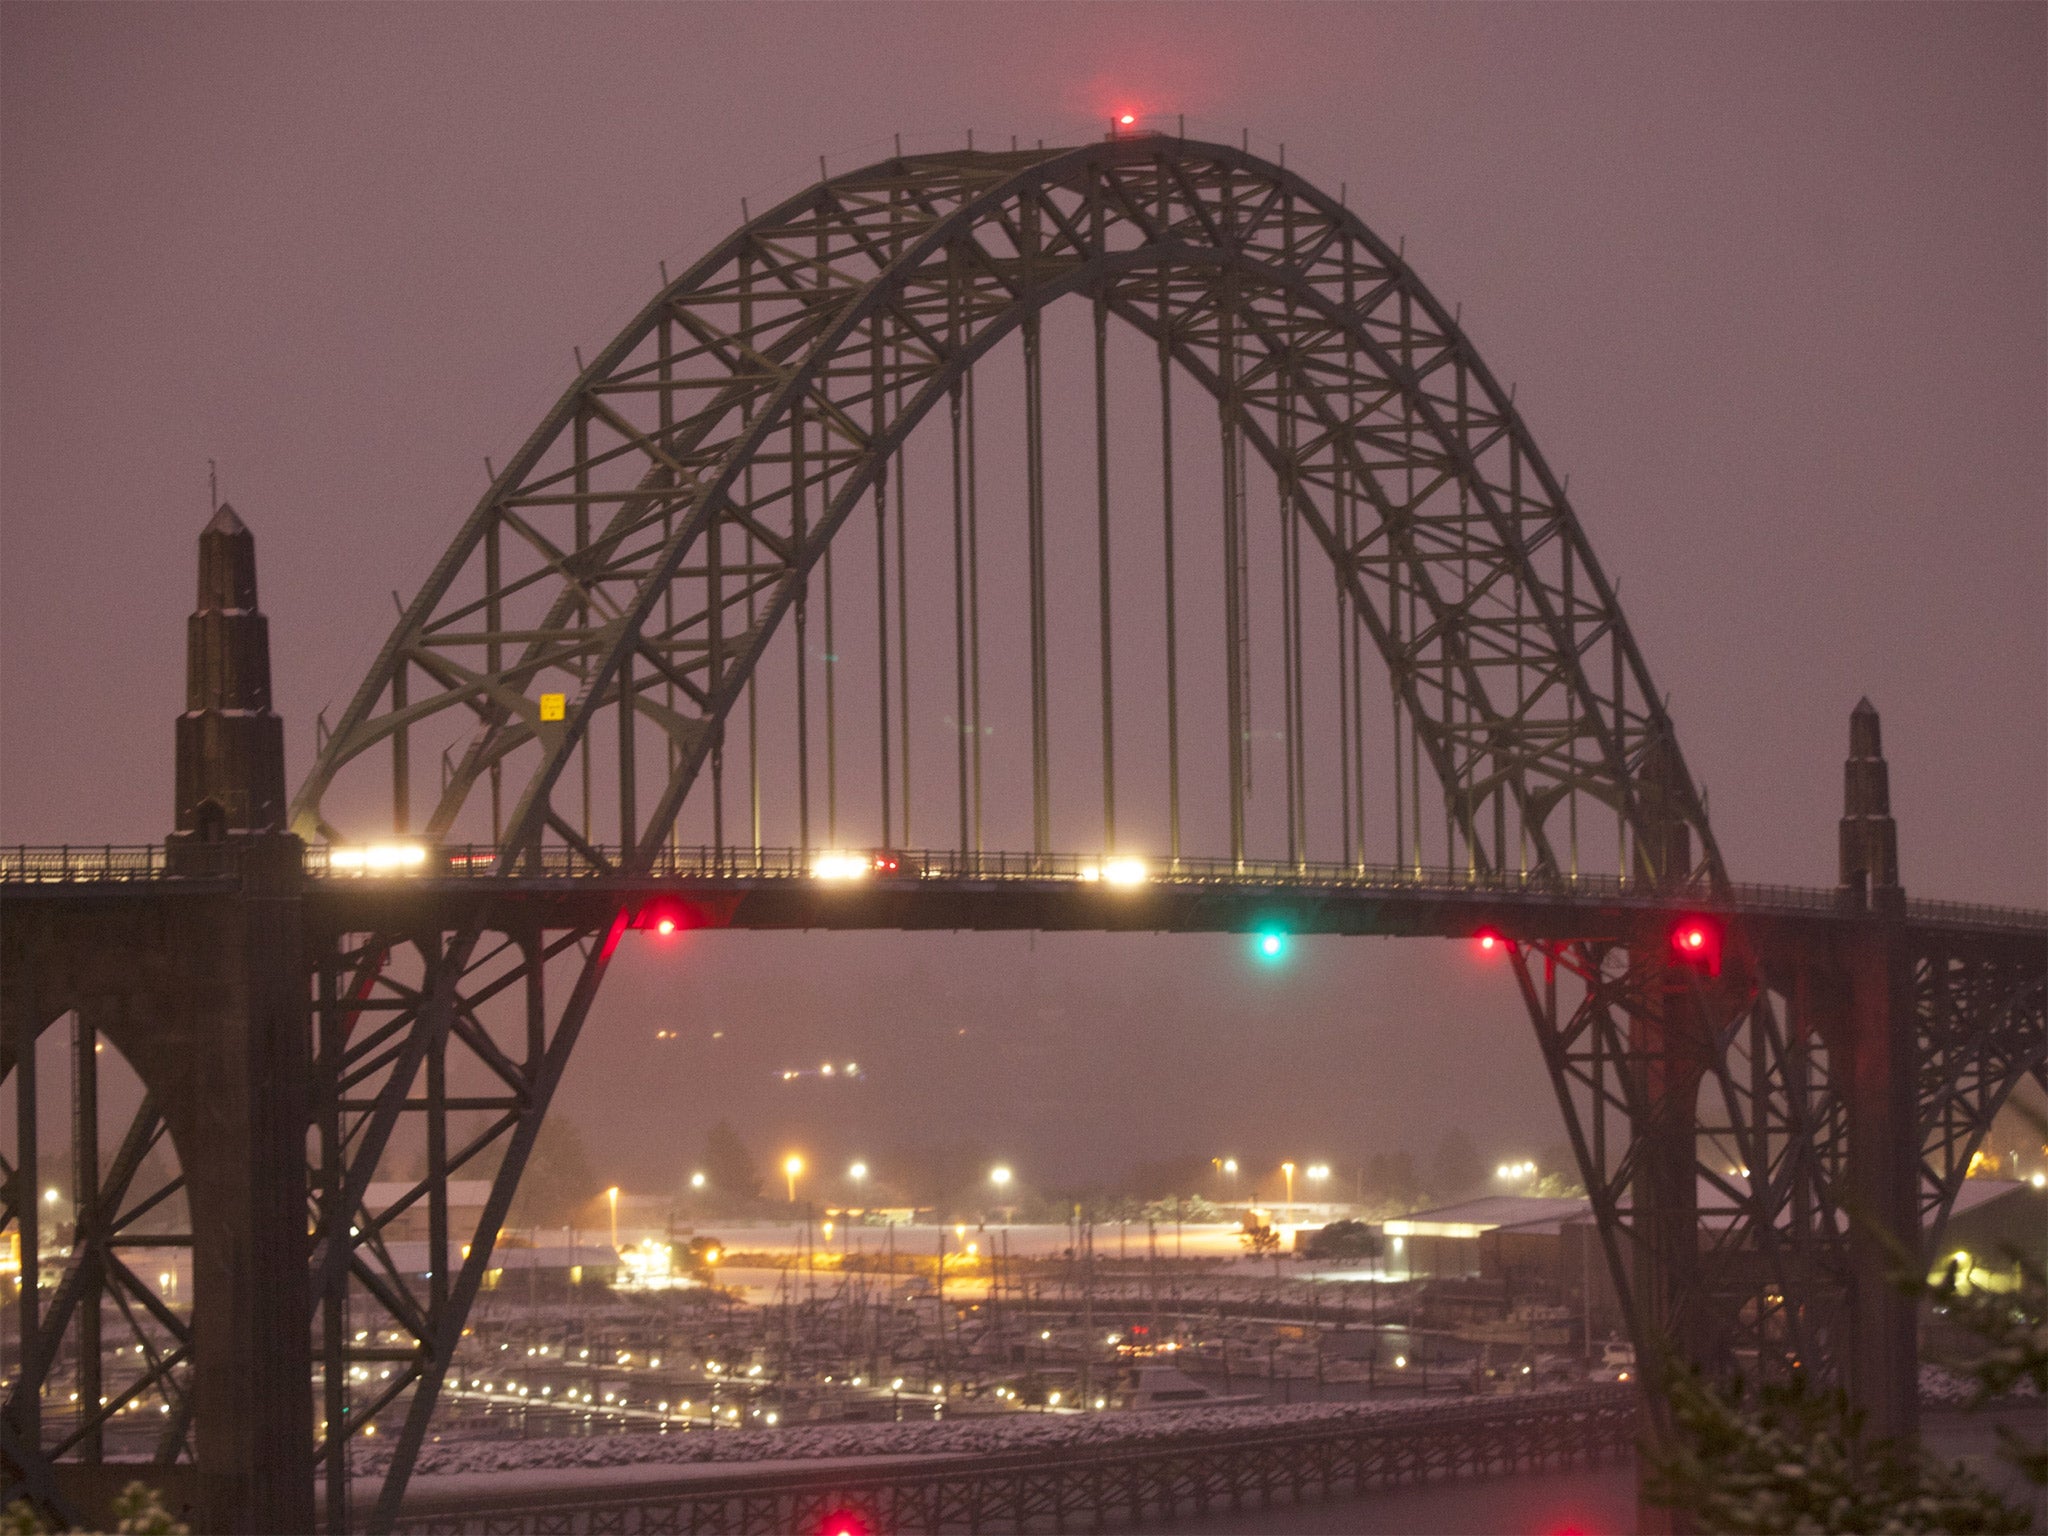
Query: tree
column 1342, row 1240
column 1262, row 1242
column 1790, row 1458
column 558, row 1182
column 729, row 1167
column 1391, row 1181
column 1793, row 1459
column 1455, row 1171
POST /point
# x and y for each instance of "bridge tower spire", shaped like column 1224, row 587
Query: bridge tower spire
column 1870, row 838
column 230, row 745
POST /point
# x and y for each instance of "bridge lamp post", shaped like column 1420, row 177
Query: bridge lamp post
column 791, row 1167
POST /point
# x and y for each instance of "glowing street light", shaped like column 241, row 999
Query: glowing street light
column 1000, row 1177
column 612, row 1195
column 1317, row 1172
column 697, row 1181
column 1288, row 1170
column 791, row 1167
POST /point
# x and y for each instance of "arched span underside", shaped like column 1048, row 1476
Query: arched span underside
column 624, row 575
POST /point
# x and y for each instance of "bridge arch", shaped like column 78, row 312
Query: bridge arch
column 759, row 398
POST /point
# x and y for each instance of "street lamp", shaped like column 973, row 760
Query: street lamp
column 696, row 1181
column 1317, row 1172
column 791, row 1167
column 1288, row 1169
column 612, row 1195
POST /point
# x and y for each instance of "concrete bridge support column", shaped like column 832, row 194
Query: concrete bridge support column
column 1866, row 1018
column 1870, row 1035
column 204, row 992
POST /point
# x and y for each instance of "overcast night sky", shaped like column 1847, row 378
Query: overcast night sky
column 1772, row 283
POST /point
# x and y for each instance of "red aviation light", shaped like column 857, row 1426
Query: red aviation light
column 1127, row 119
column 664, row 916
column 1491, row 941
column 1696, row 942
column 843, row 1522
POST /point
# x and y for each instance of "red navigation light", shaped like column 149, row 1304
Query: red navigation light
column 843, row 1522
column 664, row 916
column 1490, row 940
column 1127, row 119
column 1696, row 942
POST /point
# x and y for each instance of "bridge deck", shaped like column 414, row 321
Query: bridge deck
column 945, row 889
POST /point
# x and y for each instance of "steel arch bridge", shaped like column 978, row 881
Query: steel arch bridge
column 687, row 646
column 680, row 503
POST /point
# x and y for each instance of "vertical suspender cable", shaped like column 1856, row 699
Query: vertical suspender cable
column 753, row 709
column 1034, row 477
column 875, row 412
column 747, row 490
column 582, row 440
column 903, row 602
column 1521, row 677
column 831, row 678
column 1347, row 446
column 714, row 613
column 668, row 591
column 401, row 755
column 1102, row 581
column 973, row 614
column 960, row 725
column 1290, row 514
column 1467, row 761
column 1300, row 711
column 955, row 296
column 1621, row 739
column 1289, row 598
column 1571, row 706
column 1340, row 523
column 799, row 554
column 1233, row 619
column 1166, row 525
column 494, row 621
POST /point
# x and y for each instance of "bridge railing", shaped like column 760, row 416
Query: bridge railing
column 121, row 863
column 74, row 863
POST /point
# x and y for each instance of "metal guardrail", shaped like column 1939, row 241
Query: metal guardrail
column 115, row 863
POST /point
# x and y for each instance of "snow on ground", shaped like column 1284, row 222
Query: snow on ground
column 1943, row 1386
column 978, row 1435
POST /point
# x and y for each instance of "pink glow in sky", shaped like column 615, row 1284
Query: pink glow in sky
column 1771, row 283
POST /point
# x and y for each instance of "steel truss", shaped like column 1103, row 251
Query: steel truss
column 413, row 1037
column 680, row 502
column 1981, row 1028
column 1712, row 1145
column 1711, row 1127
column 103, row 1344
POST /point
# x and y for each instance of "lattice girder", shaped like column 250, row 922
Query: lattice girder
column 667, row 517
